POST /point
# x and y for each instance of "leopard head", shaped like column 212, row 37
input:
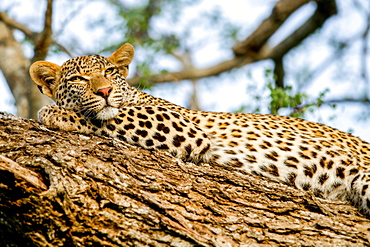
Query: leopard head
column 93, row 85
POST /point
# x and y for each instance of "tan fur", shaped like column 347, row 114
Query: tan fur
column 43, row 74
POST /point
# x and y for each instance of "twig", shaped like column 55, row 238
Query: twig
column 330, row 102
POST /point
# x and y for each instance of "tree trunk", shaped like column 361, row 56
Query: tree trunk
column 67, row 189
column 14, row 66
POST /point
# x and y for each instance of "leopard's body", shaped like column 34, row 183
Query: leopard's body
column 92, row 96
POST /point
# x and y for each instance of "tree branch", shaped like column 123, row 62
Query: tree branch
column 63, row 49
column 279, row 72
column 16, row 25
column 44, row 41
column 33, row 36
column 324, row 10
column 282, row 10
column 195, row 73
column 301, row 108
column 254, row 48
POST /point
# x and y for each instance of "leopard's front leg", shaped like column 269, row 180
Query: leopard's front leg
column 151, row 127
column 57, row 117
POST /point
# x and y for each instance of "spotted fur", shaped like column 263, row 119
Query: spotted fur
column 92, row 96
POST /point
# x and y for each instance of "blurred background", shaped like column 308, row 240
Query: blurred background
column 301, row 58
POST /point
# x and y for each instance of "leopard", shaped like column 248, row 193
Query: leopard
column 92, row 96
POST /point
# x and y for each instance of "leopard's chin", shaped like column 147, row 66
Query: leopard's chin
column 107, row 113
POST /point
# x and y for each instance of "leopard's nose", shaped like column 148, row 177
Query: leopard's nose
column 104, row 92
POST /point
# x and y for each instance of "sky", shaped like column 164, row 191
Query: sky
column 229, row 91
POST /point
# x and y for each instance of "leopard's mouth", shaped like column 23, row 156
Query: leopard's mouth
column 108, row 112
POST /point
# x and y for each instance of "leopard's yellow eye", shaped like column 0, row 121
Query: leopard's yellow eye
column 76, row 79
column 109, row 71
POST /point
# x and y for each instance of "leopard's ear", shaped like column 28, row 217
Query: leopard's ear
column 122, row 58
column 44, row 75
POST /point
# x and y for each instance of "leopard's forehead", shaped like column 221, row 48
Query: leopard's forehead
column 84, row 65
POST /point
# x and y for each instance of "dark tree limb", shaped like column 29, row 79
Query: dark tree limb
column 279, row 72
column 282, row 10
column 324, row 10
column 44, row 40
column 101, row 192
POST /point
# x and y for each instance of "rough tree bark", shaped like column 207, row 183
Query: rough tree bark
column 67, row 189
